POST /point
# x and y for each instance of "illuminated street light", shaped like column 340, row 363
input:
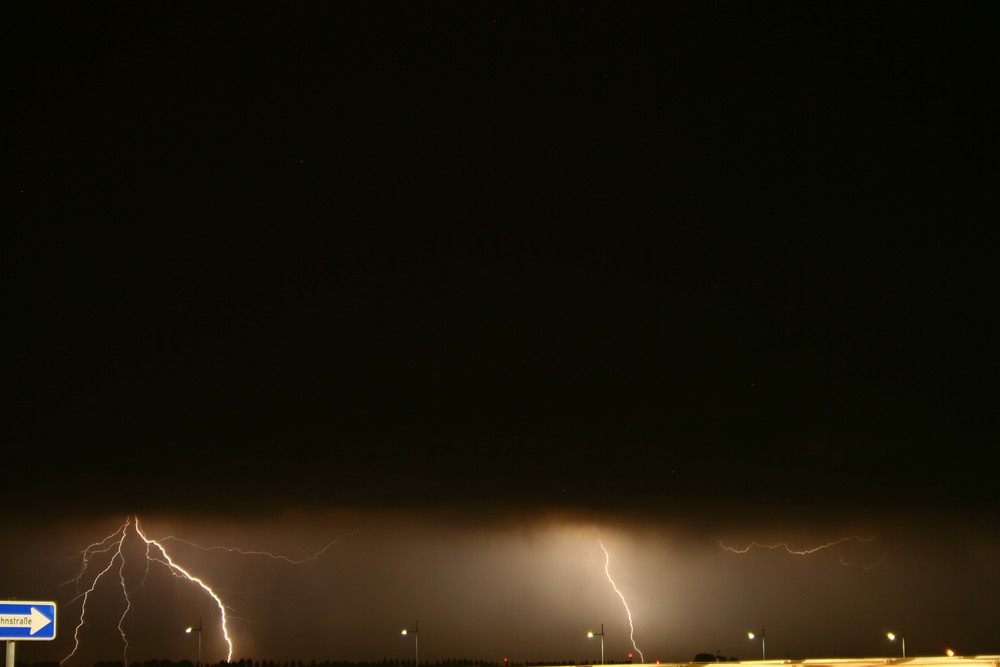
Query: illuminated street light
column 902, row 641
column 198, row 630
column 416, row 641
column 601, row 635
column 763, row 645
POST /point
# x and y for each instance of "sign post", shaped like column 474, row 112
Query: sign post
column 26, row 621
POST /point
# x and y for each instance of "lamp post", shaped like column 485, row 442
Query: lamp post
column 601, row 635
column 902, row 641
column 763, row 645
column 416, row 641
column 198, row 630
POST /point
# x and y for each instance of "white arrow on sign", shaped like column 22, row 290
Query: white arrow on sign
column 36, row 620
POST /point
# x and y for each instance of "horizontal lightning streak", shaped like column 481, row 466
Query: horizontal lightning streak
column 267, row 554
column 802, row 552
column 805, row 552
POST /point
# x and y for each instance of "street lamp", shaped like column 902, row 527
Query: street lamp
column 763, row 645
column 198, row 630
column 601, row 635
column 902, row 641
column 416, row 641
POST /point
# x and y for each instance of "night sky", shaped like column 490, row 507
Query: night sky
column 473, row 289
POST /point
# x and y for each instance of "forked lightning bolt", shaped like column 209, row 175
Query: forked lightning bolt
column 111, row 543
column 93, row 568
column 628, row 612
column 178, row 570
column 805, row 552
column 114, row 544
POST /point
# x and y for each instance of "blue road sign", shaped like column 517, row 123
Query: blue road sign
column 27, row 621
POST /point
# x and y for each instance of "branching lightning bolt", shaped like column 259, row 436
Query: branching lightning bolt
column 112, row 542
column 805, row 552
column 177, row 570
column 628, row 612
column 113, row 547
